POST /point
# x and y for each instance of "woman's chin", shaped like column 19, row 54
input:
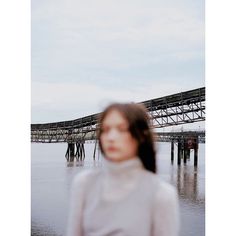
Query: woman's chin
column 115, row 158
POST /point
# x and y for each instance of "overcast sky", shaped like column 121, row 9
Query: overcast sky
column 86, row 54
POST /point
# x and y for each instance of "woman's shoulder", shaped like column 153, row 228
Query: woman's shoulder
column 162, row 189
column 165, row 191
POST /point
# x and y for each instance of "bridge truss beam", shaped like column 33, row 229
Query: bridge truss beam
column 180, row 108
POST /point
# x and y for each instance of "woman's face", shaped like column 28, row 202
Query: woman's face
column 116, row 139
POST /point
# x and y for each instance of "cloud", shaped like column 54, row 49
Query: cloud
column 119, row 34
column 66, row 101
column 86, row 54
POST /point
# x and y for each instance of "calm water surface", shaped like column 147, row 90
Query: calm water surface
column 51, row 178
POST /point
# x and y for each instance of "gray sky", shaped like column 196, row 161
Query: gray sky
column 86, row 54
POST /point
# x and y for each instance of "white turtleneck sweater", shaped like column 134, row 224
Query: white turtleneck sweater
column 122, row 199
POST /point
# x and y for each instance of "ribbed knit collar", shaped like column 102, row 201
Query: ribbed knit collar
column 120, row 178
column 123, row 167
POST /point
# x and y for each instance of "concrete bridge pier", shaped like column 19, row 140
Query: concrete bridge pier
column 70, row 153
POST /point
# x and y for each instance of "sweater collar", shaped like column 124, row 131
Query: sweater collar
column 126, row 166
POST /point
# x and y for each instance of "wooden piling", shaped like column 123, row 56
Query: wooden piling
column 83, row 151
column 185, row 155
column 67, row 154
column 172, row 151
column 179, row 153
column 188, row 154
column 71, row 151
column 186, row 150
column 80, row 152
column 95, row 149
column 196, row 152
column 77, row 151
column 196, row 155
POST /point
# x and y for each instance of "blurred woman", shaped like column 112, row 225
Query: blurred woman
column 125, row 197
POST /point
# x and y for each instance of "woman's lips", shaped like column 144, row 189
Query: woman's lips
column 112, row 149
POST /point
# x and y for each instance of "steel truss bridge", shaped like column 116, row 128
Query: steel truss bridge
column 176, row 109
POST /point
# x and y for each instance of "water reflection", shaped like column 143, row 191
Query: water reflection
column 186, row 180
column 74, row 164
column 50, row 204
column 42, row 230
column 88, row 164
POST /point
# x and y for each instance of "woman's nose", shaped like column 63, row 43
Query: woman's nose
column 112, row 134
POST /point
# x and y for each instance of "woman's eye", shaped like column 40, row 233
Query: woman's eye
column 117, row 129
column 123, row 129
column 104, row 130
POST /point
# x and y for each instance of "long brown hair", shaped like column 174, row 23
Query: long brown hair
column 139, row 127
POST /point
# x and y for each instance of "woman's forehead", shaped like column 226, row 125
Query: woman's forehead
column 114, row 117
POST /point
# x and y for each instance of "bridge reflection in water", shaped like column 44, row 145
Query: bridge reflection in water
column 187, row 184
column 189, row 181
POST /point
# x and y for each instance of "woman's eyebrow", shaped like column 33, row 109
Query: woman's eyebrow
column 123, row 125
column 112, row 123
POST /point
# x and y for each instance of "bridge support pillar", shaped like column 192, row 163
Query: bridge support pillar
column 187, row 154
column 186, row 151
column 80, row 152
column 185, row 144
column 70, row 153
column 192, row 143
column 180, row 152
column 196, row 153
column 94, row 153
column 172, row 151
